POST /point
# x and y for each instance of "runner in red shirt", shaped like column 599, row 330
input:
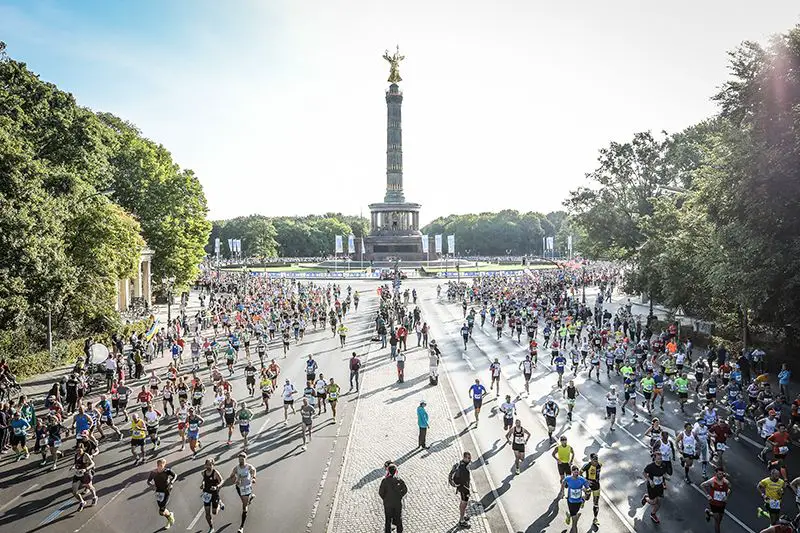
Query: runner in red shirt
column 720, row 431
column 717, row 490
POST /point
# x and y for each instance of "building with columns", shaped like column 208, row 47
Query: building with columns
column 395, row 223
column 138, row 286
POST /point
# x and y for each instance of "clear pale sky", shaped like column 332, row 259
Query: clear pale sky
column 279, row 105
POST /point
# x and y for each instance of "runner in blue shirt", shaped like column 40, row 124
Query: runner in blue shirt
column 477, row 392
column 19, row 432
column 578, row 490
column 738, row 408
column 560, row 361
column 82, row 423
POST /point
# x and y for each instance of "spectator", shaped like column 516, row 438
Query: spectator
column 391, row 491
column 783, row 379
column 461, row 479
column 355, row 367
column 422, row 422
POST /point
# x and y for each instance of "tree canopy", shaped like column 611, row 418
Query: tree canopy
column 708, row 217
column 80, row 195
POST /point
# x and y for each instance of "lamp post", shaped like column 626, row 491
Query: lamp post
column 583, row 284
column 169, row 285
column 679, row 316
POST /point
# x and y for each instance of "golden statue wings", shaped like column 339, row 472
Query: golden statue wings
column 394, row 65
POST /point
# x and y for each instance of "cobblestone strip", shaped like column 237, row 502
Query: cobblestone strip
column 385, row 428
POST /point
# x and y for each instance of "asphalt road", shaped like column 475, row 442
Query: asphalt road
column 295, row 488
column 530, row 499
column 292, row 485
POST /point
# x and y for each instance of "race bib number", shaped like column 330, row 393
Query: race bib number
column 246, row 490
column 206, row 497
column 575, row 494
column 658, row 480
column 721, row 447
column 774, row 504
column 160, row 496
column 720, row 495
column 783, row 450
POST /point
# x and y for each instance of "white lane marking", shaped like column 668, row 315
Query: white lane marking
column 14, row 499
column 55, row 514
column 742, row 524
column 466, row 359
column 264, row 425
column 196, row 518
column 114, row 497
column 617, row 512
column 492, row 486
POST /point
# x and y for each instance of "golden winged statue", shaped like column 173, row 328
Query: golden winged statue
column 394, row 68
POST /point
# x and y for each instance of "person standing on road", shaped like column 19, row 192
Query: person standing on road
column 162, row 479
column 422, row 422
column 460, row 479
column 355, row 367
column 392, row 490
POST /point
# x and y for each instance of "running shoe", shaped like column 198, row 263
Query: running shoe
column 654, row 518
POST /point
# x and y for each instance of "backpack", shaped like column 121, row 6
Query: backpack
column 453, row 477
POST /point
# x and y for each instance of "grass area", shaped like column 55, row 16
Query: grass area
column 293, row 268
column 484, row 267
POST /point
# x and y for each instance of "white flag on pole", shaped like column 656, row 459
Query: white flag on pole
column 351, row 244
column 239, row 245
column 339, row 248
column 550, row 243
column 230, row 245
column 437, row 242
column 569, row 242
column 451, row 244
column 424, row 244
column 216, row 246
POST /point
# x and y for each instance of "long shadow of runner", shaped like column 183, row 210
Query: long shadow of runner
column 377, row 473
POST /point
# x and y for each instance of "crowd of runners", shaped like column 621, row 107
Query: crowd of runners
column 640, row 367
column 238, row 328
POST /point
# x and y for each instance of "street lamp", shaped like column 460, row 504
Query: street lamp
column 169, row 285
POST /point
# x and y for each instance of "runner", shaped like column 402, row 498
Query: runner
column 571, row 393
column 182, row 415
column 229, row 414
column 333, row 397
column 550, row 411
column 563, row 455
column 105, row 417
column 306, row 414
column 321, row 392
column 591, row 471
column 578, row 489
column 250, row 377
column 244, row 477
column 718, row 491
column 19, row 433
column 212, row 481
column 508, row 409
column 687, row 445
column 494, row 372
column 243, row 417
column 518, row 437
column 193, row 423
column 288, row 400
column 611, row 405
column 526, row 367
column 53, row 429
column 138, row 434
column 82, row 477
column 771, row 489
column 656, row 486
column 267, row 387
column 151, row 421
column 161, row 479
column 476, row 392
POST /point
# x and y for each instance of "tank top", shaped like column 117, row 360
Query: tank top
column 549, row 409
column 666, row 451
column 689, row 444
column 571, row 392
column 210, row 482
column 519, row 436
column 718, row 491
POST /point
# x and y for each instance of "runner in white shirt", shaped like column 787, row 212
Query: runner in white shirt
column 321, row 389
column 527, row 370
column 288, row 400
column 244, row 477
column 494, row 370
column 611, row 405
